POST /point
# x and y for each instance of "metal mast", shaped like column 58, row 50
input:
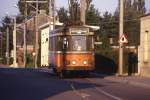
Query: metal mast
column 121, row 3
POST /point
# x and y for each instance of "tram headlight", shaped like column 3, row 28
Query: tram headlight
column 84, row 62
column 73, row 62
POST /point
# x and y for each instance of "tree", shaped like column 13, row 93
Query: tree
column 133, row 11
column 92, row 16
column 88, row 3
column 7, row 23
column 62, row 14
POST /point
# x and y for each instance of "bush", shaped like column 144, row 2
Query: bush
column 30, row 62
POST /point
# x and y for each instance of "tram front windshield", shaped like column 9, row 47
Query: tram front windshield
column 79, row 43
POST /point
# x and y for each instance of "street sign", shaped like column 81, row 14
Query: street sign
column 123, row 39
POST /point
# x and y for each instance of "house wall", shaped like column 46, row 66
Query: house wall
column 144, row 48
column 44, row 46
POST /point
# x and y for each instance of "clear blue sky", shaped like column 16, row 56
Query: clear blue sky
column 7, row 6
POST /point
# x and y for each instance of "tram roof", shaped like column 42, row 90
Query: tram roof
column 95, row 28
column 47, row 25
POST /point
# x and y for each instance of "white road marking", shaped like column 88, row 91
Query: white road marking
column 105, row 93
column 108, row 94
column 83, row 95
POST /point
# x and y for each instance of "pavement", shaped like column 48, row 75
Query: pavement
column 132, row 80
column 4, row 66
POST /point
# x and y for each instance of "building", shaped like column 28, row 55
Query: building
column 144, row 48
column 44, row 32
column 42, row 18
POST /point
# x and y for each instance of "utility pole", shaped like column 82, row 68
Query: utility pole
column 24, row 36
column 14, row 43
column 7, row 45
column 37, row 35
column 1, row 37
column 50, row 14
column 36, row 28
column 53, row 10
column 121, row 4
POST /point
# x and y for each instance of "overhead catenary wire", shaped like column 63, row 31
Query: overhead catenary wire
column 109, row 22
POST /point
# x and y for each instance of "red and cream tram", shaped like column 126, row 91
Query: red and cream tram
column 71, row 49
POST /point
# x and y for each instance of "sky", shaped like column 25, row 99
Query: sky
column 7, row 7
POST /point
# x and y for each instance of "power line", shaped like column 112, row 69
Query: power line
column 109, row 22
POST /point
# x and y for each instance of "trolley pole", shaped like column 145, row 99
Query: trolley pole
column 121, row 3
column 7, row 46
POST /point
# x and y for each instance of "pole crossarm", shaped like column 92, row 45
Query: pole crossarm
column 33, row 1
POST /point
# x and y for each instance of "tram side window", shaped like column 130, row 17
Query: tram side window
column 65, row 43
column 90, row 43
column 51, row 44
column 59, row 43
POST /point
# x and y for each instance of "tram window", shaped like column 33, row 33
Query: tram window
column 65, row 43
column 79, row 43
column 59, row 44
column 90, row 41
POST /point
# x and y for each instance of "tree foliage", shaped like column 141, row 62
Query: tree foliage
column 6, row 23
column 133, row 11
column 92, row 16
column 62, row 13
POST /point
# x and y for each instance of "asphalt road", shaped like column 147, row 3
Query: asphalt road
column 30, row 84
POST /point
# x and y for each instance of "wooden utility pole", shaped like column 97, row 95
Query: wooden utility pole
column 36, row 29
column 1, row 37
column 24, row 36
column 51, row 15
column 14, row 44
column 37, row 35
column 7, row 45
column 121, row 4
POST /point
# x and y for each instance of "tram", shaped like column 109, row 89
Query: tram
column 71, row 49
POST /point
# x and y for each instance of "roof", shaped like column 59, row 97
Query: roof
column 95, row 28
column 145, row 15
column 47, row 25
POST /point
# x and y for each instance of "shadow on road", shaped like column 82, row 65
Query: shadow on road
column 105, row 65
column 31, row 84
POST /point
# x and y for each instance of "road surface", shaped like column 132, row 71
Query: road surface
column 31, row 84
